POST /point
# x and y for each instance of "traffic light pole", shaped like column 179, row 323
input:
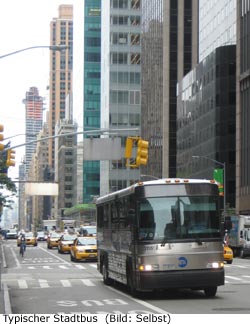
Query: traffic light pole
column 89, row 132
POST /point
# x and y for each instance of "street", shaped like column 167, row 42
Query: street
column 47, row 282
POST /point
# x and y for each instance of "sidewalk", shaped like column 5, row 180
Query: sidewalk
column 5, row 307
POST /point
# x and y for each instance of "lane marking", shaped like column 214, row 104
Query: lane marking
column 18, row 265
column 87, row 282
column 234, row 278
column 66, row 283
column 22, row 284
column 43, row 283
column 79, row 266
column 63, row 267
column 141, row 302
column 55, row 256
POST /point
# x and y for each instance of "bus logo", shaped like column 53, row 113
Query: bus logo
column 182, row 262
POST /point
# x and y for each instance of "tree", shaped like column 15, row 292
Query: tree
column 7, row 186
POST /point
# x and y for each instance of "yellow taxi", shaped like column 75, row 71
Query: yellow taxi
column 30, row 239
column 84, row 248
column 87, row 230
column 228, row 254
column 53, row 239
column 65, row 242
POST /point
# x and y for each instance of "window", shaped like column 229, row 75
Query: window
column 135, row 39
column 119, row 38
column 119, row 58
column 119, row 4
column 135, row 58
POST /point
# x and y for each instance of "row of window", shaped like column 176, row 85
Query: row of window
column 125, row 20
column 125, row 77
column 125, row 97
column 125, row 119
column 126, row 4
column 125, row 39
column 125, row 58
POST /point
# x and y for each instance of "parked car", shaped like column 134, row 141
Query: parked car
column 11, row 234
column 228, row 254
column 30, row 238
column 41, row 236
column 65, row 242
column 83, row 248
column 53, row 239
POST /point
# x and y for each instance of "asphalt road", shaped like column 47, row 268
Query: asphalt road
column 47, row 282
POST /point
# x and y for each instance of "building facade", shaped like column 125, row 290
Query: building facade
column 33, row 122
column 120, row 83
column 217, row 25
column 242, row 110
column 92, row 91
column 206, row 119
column 61, row 32
column 65, row 165
column 180, row 55
column 152, row 85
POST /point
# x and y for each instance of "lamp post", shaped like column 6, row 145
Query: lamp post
column 223, row 164
column 51, row 47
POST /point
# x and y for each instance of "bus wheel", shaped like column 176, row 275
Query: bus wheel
column 105, row 274
column 210, row 291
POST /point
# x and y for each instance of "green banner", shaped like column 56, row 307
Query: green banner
column 219, row 177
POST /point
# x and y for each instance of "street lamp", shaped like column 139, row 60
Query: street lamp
column 52, row 48
column 223, row 164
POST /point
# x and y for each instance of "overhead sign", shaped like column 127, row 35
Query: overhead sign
column 102, row 149
column 41, row 189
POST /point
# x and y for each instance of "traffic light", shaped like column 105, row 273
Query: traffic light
column 10, row 158
column 1, row 138
column 142, row 152
column 128, row 147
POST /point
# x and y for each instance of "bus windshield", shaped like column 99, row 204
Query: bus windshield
column 175, row 218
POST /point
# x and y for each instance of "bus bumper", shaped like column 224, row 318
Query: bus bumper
column 194, row 279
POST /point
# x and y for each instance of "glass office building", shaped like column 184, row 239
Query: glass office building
column 120, row 84
column 92, row 85
column 206, row 117
column 217, row 25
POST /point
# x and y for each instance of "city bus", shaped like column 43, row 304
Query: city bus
column 162, row 234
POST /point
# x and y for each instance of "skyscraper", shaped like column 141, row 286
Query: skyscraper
column 120, row 83
column 33, row 122
column 169, row 51
column 242, row 108
column 217, row 25
column 61, row 32
column 92, row 91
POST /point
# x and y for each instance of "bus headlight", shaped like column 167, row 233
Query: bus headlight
column 148, row 267
column 215, row 265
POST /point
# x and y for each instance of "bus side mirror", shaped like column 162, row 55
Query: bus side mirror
column 241, row 234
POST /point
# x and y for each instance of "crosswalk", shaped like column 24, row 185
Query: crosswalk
column 45, row 283
column 52, row 264
column 69, row 283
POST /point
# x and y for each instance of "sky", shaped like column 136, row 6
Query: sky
column 23, row 24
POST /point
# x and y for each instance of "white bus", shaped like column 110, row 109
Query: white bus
column 162, row 234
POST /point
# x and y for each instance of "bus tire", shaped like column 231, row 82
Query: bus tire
column 105, row 274
column 210, row 291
